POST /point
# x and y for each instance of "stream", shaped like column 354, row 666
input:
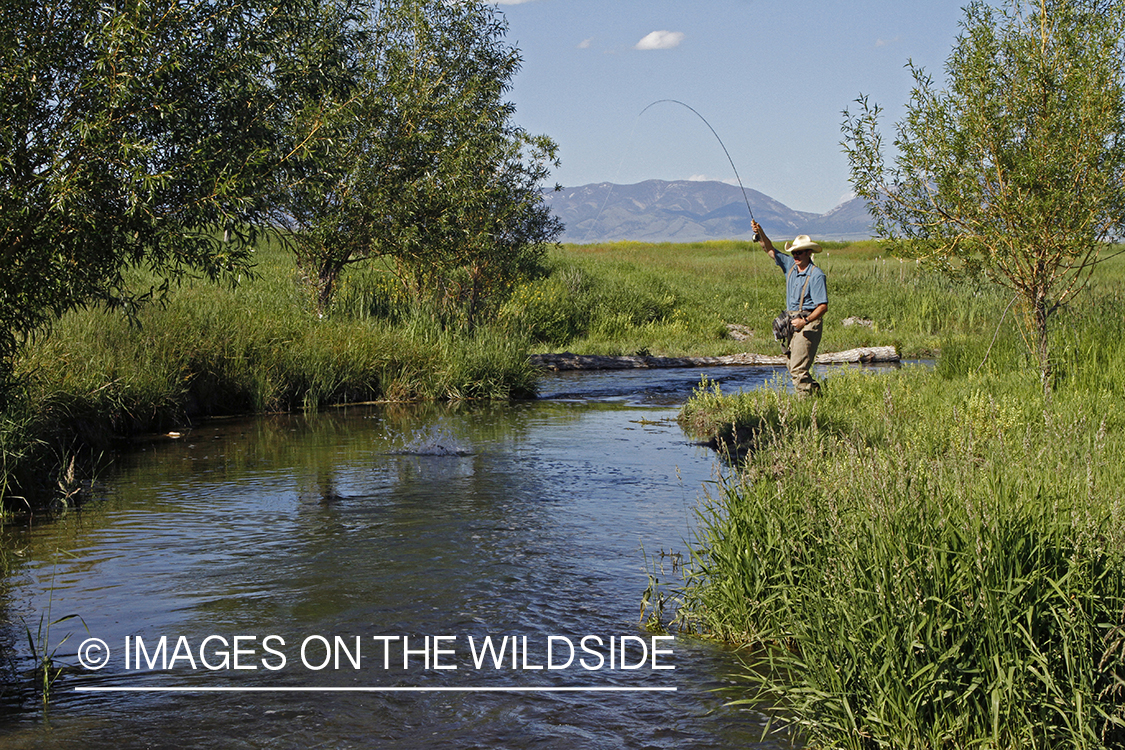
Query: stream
column 455, row 576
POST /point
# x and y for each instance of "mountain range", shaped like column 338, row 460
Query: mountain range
column 690, row 211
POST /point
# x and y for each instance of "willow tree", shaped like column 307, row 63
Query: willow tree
column 1015, row 168
column 132, row 135
column 417, row 159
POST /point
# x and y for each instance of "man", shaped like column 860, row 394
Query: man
column 806, row 299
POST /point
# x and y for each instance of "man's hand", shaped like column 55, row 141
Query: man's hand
column 763, row 240
column 804, row 320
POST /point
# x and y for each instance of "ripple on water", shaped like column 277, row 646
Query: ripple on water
column 522, row 521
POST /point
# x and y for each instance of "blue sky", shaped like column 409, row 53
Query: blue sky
column 772, row 78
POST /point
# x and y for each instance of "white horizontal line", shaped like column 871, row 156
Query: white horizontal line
column 185, row 689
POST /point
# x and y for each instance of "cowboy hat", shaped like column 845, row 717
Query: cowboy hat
column 802, row 242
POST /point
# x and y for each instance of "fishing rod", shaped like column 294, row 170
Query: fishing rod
column 717, row 138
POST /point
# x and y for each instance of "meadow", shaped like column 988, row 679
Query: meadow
column 677, row 300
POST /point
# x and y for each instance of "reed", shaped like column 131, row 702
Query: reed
column 928, row 558
column 257, row 348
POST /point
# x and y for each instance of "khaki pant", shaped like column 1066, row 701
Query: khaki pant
column 802, row 353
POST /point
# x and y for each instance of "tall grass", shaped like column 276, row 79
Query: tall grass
column 933, row 558
column 256, row 348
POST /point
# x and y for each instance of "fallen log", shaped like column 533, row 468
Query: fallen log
column 569, row 361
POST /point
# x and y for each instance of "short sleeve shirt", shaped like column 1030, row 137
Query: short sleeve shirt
column 816, row 294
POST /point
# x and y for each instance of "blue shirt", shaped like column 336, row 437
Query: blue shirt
column 816, row 294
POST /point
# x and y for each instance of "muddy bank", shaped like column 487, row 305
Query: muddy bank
column 568, row 361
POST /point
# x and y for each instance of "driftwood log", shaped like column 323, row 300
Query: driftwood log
column 568, row 361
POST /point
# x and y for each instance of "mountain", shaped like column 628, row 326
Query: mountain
column 689, row 211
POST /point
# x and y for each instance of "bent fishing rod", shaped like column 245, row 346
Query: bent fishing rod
column 717, row 138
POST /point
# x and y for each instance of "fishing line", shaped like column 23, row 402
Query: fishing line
column 629, row 145
column 625, row 153
column 717, row 138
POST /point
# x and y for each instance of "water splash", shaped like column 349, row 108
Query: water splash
column 432, row 440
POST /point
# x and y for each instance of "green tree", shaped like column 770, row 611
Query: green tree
column 134, row 135
column 1016, row 168
column 418, row 160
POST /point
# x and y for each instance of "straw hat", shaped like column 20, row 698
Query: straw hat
column 802, row 242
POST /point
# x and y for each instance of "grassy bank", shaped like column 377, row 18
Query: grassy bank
column 676, row 300
column 257, row 348
column 930, row 558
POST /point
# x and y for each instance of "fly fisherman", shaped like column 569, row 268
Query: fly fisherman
column 806, row 299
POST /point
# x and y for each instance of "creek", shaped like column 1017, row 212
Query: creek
column 381, row 576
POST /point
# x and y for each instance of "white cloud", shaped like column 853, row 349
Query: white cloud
column 698, row 178
column 886, row 42
column 510, row 2
column 585, row 43
column 661, row 40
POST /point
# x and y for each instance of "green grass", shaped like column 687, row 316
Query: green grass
column 929, row 558
column 677, row 300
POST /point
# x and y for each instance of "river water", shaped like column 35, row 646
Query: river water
column 381, row 576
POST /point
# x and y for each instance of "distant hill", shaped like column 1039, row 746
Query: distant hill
column 689, row 211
